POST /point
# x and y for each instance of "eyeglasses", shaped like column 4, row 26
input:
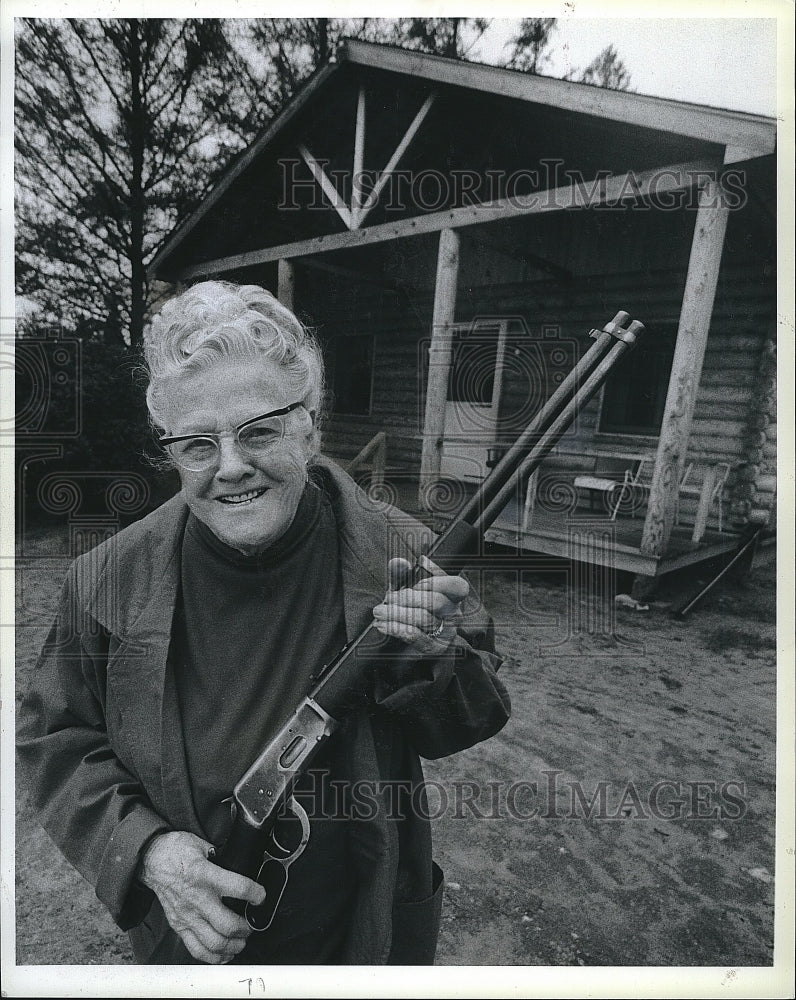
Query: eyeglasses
column 254, row 437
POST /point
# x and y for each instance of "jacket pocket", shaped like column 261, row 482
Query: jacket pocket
column 415, row 926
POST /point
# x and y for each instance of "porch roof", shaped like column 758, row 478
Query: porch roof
column 509, row 120
column 736, row 128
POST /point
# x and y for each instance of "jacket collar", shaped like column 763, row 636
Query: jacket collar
column 370, row 535
column 131, row 580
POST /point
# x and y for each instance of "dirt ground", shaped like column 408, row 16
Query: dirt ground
column 624, row 816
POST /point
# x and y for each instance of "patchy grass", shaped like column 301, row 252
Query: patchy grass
column 734, row 637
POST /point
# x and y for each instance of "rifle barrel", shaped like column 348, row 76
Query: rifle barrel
column 527, row 462
column 507, row 466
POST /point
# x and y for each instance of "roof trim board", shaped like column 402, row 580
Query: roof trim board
column 753, row 132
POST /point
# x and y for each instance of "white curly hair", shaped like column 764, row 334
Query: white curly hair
column 213, row 320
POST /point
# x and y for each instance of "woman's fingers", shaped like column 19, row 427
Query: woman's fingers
column 414, row 614
column 420, row 617
column 212, row 935
column 399, row 573
column 435, row 602
column 234, row 885
column 197, row 949
column 454, row 588
column 191, row 889
column 214, row 923
column 438, row 580
column 223, row 921
column 214, row 955
column 419, row 640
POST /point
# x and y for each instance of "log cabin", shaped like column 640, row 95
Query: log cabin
column 452, row 232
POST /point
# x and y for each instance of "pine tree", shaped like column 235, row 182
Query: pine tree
column 119, row 128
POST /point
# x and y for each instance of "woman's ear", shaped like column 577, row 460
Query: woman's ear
column 310, row 436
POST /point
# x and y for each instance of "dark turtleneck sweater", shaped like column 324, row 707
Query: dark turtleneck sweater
column 252, row 631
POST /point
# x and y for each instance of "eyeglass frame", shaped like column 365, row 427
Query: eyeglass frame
column 215, row 436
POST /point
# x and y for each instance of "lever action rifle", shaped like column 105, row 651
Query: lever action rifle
column 266, row 790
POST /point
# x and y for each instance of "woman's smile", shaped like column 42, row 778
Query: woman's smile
column 247, row 500
column 242, row 498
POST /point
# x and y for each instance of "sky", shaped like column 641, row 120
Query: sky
column 727, row 63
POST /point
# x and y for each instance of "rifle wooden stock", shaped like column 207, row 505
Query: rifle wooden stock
column 345, row 682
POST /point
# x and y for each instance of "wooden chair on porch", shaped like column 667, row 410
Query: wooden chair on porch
column 710, row 492
column 629, row 488
column 611, row 477
column 632, row 486
column 637, row 485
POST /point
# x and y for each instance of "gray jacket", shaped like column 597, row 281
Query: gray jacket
column 98, row 748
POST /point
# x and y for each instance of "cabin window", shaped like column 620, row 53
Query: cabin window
column 351, row 374
column 635, row 394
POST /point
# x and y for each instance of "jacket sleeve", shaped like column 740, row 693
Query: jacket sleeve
column 455, row 701
column 91, row 805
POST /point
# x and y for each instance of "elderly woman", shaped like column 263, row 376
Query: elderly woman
column 186, row 641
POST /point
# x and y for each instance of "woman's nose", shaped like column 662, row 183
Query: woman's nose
column 232, row 462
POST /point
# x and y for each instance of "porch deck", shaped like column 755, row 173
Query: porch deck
column 584, row 534
column 591, row 536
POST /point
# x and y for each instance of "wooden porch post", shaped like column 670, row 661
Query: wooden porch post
column 439, row 356
column 286, row 277
column 689, row 353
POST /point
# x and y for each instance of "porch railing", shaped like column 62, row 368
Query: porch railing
column 375, row 454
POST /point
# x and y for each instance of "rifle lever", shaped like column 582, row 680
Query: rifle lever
column 273, row 873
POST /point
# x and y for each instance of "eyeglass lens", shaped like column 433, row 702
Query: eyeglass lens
column 255, row 439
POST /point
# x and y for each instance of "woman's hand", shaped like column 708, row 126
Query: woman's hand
column 424, row 616
column 189, row 887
